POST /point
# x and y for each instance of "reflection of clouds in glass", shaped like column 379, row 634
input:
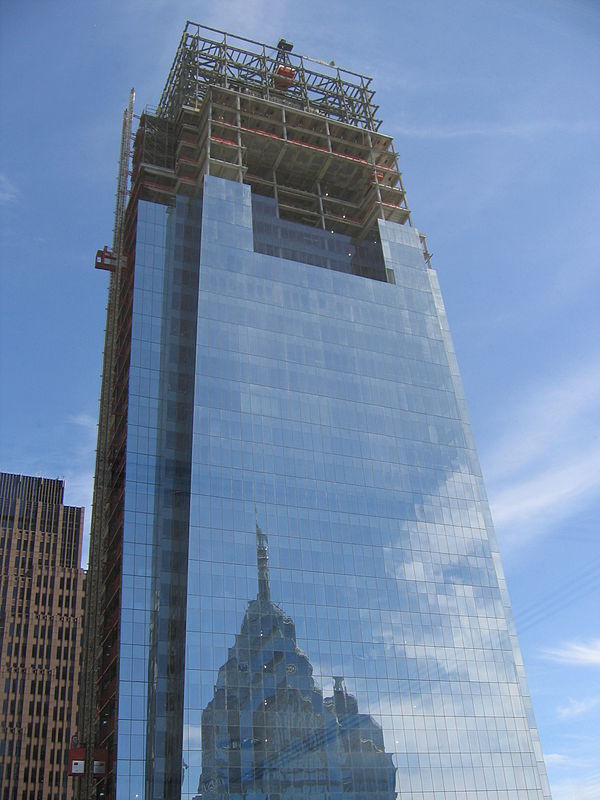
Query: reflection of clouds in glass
column 192, row 737
column 464, row 635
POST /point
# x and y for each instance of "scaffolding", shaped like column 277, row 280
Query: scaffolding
column 265, row 116
column 99, row 694
column 322, row 172
column 209, row 57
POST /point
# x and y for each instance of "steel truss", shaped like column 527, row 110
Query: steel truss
column 207, row 56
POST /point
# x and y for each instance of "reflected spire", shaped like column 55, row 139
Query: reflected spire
column 262, row 561
column 269, row 731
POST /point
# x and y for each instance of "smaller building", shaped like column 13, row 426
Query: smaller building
column 41, row 615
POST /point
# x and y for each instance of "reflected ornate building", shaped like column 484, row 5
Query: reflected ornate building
column 269, row 732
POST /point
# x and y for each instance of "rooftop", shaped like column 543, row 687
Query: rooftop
column 207, row 56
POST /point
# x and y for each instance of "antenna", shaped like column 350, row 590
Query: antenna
column 262, row 559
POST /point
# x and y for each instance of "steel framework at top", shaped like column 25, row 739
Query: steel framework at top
column 253, row 68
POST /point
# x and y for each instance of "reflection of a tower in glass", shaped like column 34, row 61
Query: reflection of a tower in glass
column 268, row 732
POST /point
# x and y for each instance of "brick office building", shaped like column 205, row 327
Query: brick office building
column 41, row 608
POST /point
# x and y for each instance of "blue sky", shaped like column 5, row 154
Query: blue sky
column 494, row 107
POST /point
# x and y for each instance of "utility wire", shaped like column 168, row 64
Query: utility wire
column 583, row 586
column 572, row 590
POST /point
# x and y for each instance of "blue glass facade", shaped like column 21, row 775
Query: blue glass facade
column 313, row 603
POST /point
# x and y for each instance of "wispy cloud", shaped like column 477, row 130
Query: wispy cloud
column 560, row 759
column 558, row 410
column 549, row 464
column 552, row 491
column 85, row 421
column 8, row 190
column 577, row 789
column 575, row 770
column 577, row 708
column 555, row 758
column 524, row 129
column 587, row 654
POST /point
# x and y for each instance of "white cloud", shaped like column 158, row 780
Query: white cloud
column 577, row 708
column 574, row 653
column 556, row 758
column 556, row 412
column 85, row 421
column 548, row 494
column 577, row 789
column 549, row 463
column 8, row 191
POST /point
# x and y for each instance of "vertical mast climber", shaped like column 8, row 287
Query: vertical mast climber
column 121, row 199
column 109, row 260
column 105, row 258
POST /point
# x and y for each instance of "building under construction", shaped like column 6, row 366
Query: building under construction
column 278, row 364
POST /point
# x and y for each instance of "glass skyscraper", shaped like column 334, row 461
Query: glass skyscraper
column 295, row 587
